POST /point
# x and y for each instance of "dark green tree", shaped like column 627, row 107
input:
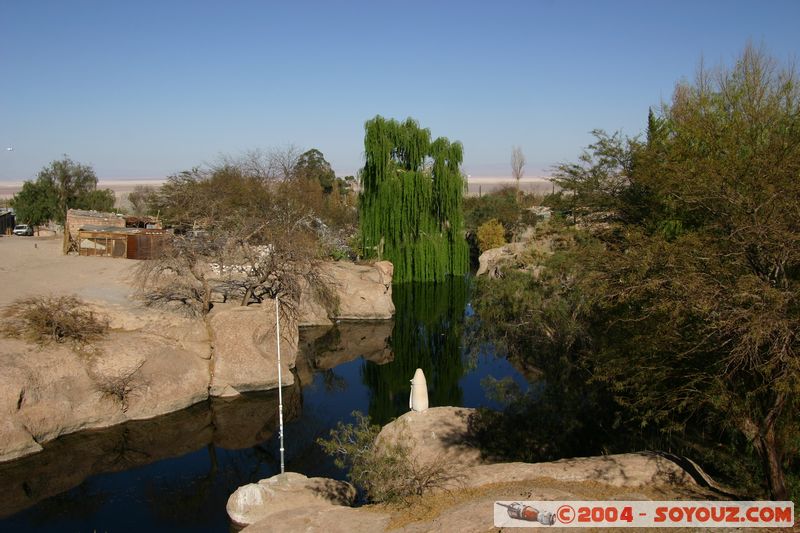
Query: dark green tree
column 143, row 200
column 74, row 185
column 97, row 200
column 700, row 293
column 36, row 203
column 312, row 165
column 410, row 206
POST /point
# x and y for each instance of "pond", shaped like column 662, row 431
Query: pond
column 175, row 473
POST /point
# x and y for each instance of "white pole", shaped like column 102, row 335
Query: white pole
column 280, row 381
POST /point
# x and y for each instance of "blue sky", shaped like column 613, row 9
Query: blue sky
column 146, row 89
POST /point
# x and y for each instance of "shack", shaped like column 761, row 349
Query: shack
column 114, row 241
column 112, row 235
column 7, row 221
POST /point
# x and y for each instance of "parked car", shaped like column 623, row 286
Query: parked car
column 23, row 229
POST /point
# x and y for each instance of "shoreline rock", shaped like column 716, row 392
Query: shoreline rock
column 441, row 435
column 155, row 362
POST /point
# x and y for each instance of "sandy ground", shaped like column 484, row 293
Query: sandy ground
column 31, row 266
column 483, row 185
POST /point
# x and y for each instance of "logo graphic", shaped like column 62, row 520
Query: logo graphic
column 518, row 511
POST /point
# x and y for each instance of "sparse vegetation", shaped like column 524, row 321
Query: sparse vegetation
column 119, row 387
column 385, row 471
column 59, row 319
column 243, row 235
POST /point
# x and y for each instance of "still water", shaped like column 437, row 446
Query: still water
column 175, row 473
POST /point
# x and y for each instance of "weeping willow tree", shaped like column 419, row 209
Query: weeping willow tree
column 410, row 204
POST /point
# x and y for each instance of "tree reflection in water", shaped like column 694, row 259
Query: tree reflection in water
column 429, row 322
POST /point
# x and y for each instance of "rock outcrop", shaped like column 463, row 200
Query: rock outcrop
column 492, row 261
column 364, row 292
column 259, row 501
column 441, row 435
column 152, row 363
column 245, row 349
column 438, row 434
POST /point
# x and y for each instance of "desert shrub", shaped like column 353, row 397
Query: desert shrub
column 491, row 234
column 385, row 471
column 46, row 319
column 120, row 387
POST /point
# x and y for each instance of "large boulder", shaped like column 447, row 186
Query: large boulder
column 436, row 435
column 48, row 392
column 328, row 518
column 245, row 351
column 364, row 292
column 441, row 435
column 628, row 470
column 259, row 501
column 492, row 261
column 150, row 375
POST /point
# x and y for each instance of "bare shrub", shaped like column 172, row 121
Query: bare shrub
column 118, row 387
column 384, row 471
column 46, row 319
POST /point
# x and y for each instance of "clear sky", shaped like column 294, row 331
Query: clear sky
column 145, row 89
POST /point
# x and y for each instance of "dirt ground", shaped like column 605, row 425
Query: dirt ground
column 31, row 266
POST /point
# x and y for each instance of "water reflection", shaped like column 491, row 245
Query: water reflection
column 176, row 472
column 427, row 334
column 70, row 460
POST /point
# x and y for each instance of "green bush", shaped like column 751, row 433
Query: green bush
column 491, row 234
column 385, row 471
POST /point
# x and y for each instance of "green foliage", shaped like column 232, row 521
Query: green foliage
column 711, row 269
column 36, row 203
column 73, row 184
column 491, row 234
column 502, row 205
column 688, row 313
column 144, row 200
column 98, row 200
column 596, row 182
column 62, row 185
column 410, row 204
column 312, row 165
column 60, row 319
column 384, row 471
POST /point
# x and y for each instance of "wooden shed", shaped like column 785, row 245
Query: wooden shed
column 130, row 243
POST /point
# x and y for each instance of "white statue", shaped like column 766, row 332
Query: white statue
column 418, row 401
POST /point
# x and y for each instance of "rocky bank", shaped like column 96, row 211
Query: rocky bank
column 465, row 502
column 153, row 362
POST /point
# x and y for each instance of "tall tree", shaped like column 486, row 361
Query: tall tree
column 312, row 165
column 62, row 185
column 701, row 291
column 411, row 201
column 36, row 203
column 72, row 182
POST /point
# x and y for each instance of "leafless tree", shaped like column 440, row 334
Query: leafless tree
column 238, row 237
column 517, row 165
